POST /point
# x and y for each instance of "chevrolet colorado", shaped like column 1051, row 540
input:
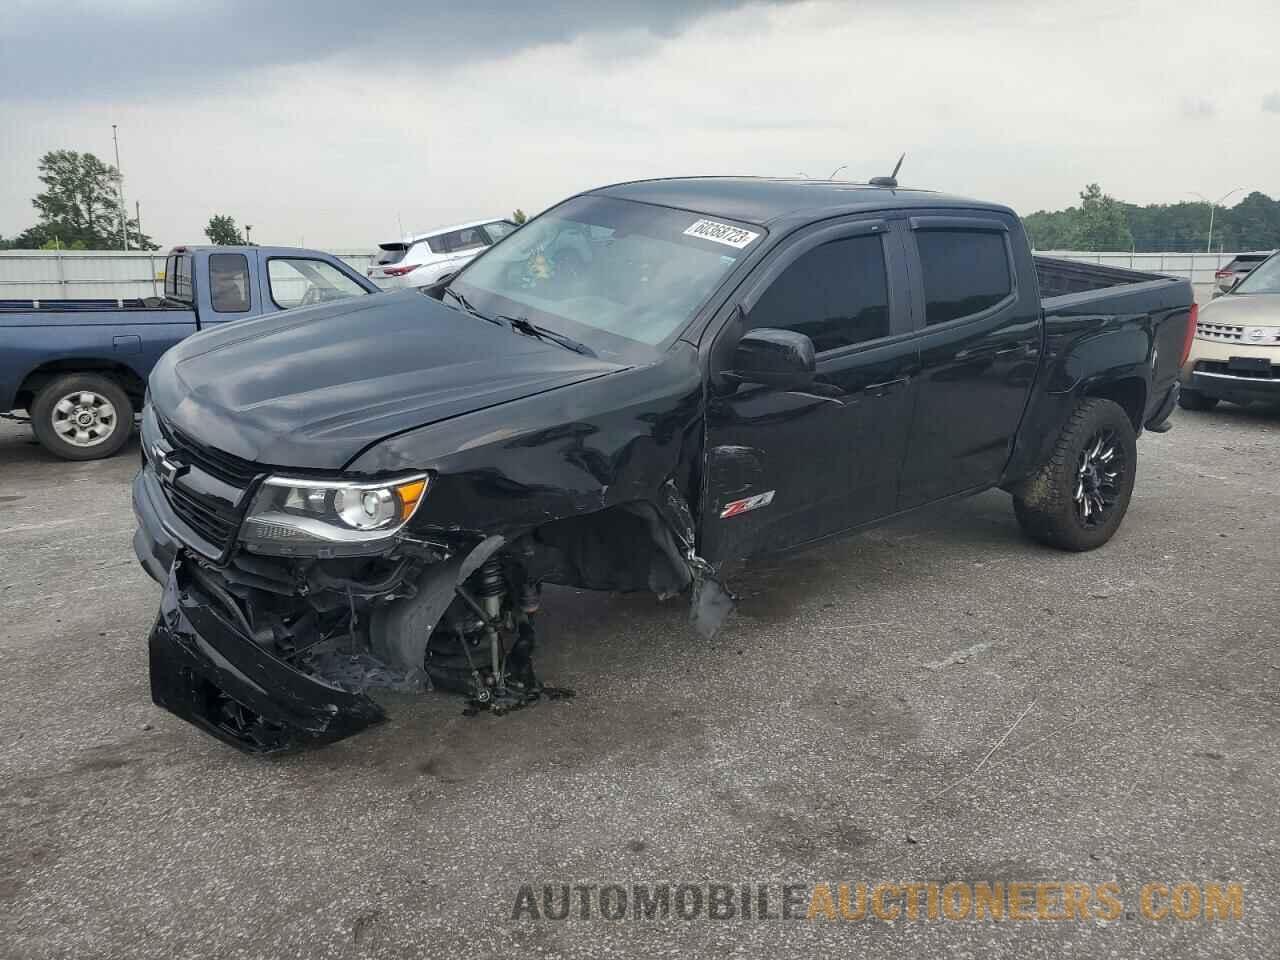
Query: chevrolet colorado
column 643, row 387
column 79, row 367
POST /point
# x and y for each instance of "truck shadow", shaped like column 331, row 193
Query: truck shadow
column 19, row 447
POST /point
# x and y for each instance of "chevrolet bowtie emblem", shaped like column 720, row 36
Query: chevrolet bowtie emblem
column 166, row 469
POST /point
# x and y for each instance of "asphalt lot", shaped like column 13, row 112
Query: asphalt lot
column 807, row 743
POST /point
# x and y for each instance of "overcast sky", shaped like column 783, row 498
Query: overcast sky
column 328, row 123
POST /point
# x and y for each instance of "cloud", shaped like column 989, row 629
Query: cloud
column 332, row 134
column 124, row 49
column 1271, row 102
column 1198, row 107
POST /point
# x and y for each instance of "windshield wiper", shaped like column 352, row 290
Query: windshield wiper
column 522, row 325
column 466, row 305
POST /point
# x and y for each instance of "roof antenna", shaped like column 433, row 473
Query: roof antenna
column 892, row 179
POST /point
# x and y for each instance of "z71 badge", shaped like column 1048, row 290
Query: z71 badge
column 750, row 503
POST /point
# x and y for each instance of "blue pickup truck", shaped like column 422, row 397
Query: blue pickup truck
column 79, row 367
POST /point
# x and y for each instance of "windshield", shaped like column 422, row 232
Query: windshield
column 607, row 266
column 1264, row 278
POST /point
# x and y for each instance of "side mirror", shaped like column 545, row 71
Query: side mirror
column 776, row 358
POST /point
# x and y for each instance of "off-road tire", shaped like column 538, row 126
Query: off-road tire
column 1046, row 505
column 42, row 416
column 1195, row 400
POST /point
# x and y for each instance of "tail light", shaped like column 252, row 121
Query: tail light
column 400, row 271
column 1223, row 274
column 1193, row 319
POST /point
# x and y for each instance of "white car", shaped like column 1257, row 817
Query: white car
column 422, row 259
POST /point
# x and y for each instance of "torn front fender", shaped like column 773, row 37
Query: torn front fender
column 207, row 671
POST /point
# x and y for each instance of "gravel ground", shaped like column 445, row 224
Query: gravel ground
column 835, row 731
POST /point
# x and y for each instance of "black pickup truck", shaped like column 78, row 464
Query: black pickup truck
column 646, row 385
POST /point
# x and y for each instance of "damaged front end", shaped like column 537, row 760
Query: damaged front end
column 269, row 646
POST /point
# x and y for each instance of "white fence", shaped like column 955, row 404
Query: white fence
column 97, row 274
column 107, row 274
column 1199, row 268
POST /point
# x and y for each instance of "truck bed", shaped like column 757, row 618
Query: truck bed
column 1059, row 278
column 89, row 306
column 1071, row 288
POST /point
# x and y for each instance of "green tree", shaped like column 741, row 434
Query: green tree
column 80, row 205
column 1101, row 223
column 1252, row 224
column 223, row 231
column 1050, row 230
column 519, row 216
column 79, row 201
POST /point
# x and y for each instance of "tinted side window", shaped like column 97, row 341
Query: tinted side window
column 836, row 294
column 965, row 272
column 229, row 282
column 437, row 244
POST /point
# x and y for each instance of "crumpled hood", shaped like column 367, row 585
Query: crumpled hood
column 311, row 388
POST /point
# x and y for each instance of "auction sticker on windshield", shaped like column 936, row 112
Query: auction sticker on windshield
column 724, row 233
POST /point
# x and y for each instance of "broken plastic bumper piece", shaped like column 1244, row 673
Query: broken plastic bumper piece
column 207, row 671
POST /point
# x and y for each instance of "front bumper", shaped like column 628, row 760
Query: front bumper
column 1234, row 388
column 154, row 542
column 207, row 671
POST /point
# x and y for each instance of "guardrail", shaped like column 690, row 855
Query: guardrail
column 98, row 274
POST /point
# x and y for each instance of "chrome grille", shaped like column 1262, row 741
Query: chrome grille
column 1260, row 336
column 1219, row 331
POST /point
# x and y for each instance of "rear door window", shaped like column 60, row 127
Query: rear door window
column 460, row 241
column 181, row 289
column 498, row 229
column 299, row 282
column 836, row 294
column 229, row 282
column 965, row 272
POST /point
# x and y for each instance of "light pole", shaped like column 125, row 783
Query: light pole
column 124, row 217
column 1213, row 207
column 248, row 229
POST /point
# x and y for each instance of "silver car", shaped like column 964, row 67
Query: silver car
column 422, row 259
column 1235, row 271
column 1235, row 355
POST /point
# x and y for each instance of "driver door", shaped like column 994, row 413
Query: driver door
column 787, row 467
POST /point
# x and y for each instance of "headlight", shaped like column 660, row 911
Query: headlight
column 288, row 514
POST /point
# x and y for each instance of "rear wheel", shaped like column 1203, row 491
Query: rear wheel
column 1080, row 495
column 1195, row 400
column 82, row 416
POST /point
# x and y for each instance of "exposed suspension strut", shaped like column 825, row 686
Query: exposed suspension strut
column 490, row 591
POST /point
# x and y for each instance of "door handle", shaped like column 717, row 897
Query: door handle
column 1005, row 351
column 883, row 388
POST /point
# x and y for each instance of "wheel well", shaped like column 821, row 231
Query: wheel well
column 36, row 380
column 1129, row 392
column 627, row 547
